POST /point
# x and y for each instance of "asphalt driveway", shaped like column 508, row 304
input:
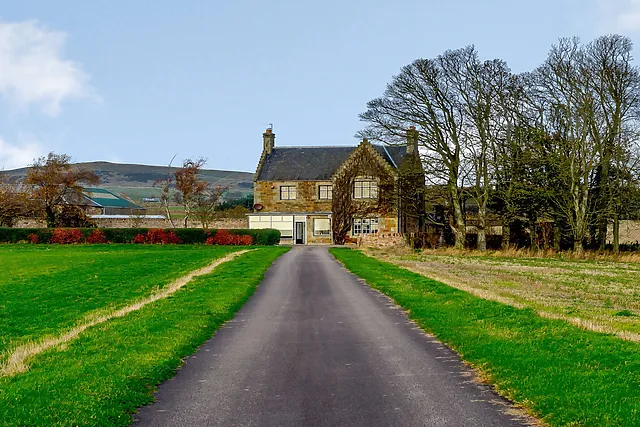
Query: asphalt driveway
column 317, row 347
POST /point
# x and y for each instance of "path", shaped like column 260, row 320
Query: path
column 316, row 347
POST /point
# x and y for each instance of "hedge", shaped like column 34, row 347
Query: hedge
column 263, row 237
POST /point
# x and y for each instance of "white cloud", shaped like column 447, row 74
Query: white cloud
column 619, row 15
column 32, row 69
column 18, row 155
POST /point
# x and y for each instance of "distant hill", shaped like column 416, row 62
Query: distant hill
column 137, row 181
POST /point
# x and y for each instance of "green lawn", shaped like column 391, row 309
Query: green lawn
column 101, row 377
column 562, row 374
column 64, row 284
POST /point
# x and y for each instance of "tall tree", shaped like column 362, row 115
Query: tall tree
column 189, row 187
column 165, row 187
column 423, row 95
column 56, row 182
column 563, row 88
column 615, row 83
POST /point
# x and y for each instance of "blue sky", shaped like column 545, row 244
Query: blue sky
column 140, row 81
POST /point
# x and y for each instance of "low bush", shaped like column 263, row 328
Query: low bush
column 157, row 236
column 223, row 237
column 264, row 237
column 192, row 235
column 97, row 236
column 65, row 236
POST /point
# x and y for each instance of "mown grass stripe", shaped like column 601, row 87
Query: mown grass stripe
column 563, row 375
column 16, row 362
column 47, row 289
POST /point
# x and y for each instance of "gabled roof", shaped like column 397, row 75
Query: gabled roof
column 316, row 163
column 107, row 199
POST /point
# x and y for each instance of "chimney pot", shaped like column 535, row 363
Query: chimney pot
column 412, row 140
column 269, row 141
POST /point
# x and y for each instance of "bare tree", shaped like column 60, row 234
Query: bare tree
column 615, row 83
column 165, row 185
column 481, row 86
column 207, row 203
column 56, row 182
column 423, row 95
column 189, row 187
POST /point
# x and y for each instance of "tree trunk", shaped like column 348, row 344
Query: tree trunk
column 556, row 237
column 616, row 233
column 482, row 227
column 506, row 236
column 51, row 216
column 577, row 246
column 459, row 226
column 169, row 217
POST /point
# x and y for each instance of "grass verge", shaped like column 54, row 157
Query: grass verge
column 563, row 375
column 103, row 376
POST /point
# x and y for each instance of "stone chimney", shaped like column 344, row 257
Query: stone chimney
column 412, row 140
column 269, row 140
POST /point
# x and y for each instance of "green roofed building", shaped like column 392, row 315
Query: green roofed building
column 104, row 202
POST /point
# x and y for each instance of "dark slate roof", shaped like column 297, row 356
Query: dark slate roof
column 316, row 163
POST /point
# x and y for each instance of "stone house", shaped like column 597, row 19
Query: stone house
column 315, row 195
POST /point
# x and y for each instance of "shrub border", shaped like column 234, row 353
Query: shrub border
column 261, row 237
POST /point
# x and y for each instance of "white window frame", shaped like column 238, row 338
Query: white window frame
column 290, row 192
column 365, row 226
column 365, row 189
column 326, row 232
column 328, row 190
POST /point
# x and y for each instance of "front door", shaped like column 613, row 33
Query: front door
column 299, row 233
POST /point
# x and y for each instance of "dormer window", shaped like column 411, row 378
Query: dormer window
column 365, row 189
column 288, row 192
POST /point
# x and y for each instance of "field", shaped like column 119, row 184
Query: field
column 599, row 295
column 114, row 352
column 138, row 181
column 561, row 374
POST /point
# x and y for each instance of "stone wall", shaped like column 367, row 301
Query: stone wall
column 227, row 223
column 267, row 193
column 381, row 240
column 629, row 232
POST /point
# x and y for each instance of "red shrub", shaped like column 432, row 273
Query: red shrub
column 245, row 240
column 223, row 237
column 67, row 236
column 97, row 236
column 156, row 236
column 33, row 238
column 140, row 238
column 172, row 237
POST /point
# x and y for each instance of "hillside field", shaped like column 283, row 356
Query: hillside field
column 137, row 181
column 103, row 372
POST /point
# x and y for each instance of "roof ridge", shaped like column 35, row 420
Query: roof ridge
column 315, row 146
column 336, row 146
